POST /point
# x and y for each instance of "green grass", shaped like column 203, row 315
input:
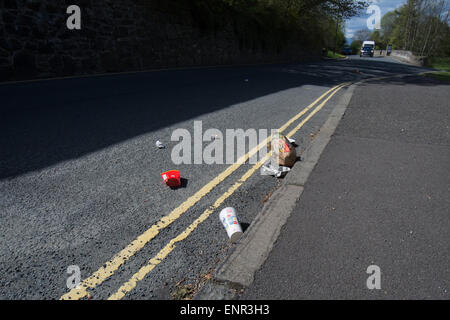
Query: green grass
column 439, row 63
column 443, row 76
column 332, row 55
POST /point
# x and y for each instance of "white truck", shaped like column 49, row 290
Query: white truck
column 367, row 48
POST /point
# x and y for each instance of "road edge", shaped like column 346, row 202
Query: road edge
column 238, row 270
column 181, row 68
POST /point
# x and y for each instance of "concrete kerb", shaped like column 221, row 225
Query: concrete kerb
column 237, row 271
column 301, row 171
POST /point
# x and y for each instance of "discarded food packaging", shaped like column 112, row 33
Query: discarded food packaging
column 160, row 145
column 172, row 178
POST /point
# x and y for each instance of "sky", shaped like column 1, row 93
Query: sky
column 358, row 23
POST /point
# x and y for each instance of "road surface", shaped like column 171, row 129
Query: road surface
column 80, row 180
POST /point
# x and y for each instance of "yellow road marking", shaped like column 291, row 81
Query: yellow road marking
column 319, row 107
column 113, row 265
column 301, row 113
column 130, row 284
column 157, row 259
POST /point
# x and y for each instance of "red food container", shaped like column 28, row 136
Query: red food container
column 172, row 178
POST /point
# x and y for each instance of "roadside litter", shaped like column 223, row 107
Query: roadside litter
column 231, row 224
column 283, row 150
column 270, row 170
column 292, row 141
column 172, row 178
column 160, row 145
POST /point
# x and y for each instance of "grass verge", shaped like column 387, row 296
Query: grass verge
column 442, row 63
column 443, row 76
column 332, row 55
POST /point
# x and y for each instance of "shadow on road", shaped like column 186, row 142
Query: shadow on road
column 46, row 122
column 415, row 80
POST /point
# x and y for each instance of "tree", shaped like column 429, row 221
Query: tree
column 356, row 45
column 313, row 22
column 388, row 23
column 380, row 43
column 422, row 27
column 341, row 10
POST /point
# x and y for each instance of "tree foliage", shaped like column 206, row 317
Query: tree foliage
column 356, row 45
column 273, row 23
column 420, row 26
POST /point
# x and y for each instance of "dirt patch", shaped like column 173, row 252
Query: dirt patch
column 186, row 291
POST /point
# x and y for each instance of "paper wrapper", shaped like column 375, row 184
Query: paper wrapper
column 282, row 150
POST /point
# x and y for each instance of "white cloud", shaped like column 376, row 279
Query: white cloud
column 349, row 33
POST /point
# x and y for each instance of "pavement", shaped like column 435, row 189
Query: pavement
column 379, row 195
column 80, row 174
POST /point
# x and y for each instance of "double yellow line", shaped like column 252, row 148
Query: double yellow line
column 109, row 268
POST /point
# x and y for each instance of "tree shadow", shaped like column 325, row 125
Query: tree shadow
column 419, row 80
column 46, row 122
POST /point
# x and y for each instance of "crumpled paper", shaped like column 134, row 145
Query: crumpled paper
column 269, row 170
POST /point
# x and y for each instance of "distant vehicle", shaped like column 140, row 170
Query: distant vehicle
column 346, row 50
column 368, row 43
column 367, row 49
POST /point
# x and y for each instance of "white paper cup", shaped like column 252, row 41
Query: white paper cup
column 231, row 224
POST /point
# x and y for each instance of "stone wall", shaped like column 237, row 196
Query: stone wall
column 116, row 36
column 408, row 57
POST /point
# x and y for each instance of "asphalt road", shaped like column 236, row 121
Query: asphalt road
column 80, row 173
